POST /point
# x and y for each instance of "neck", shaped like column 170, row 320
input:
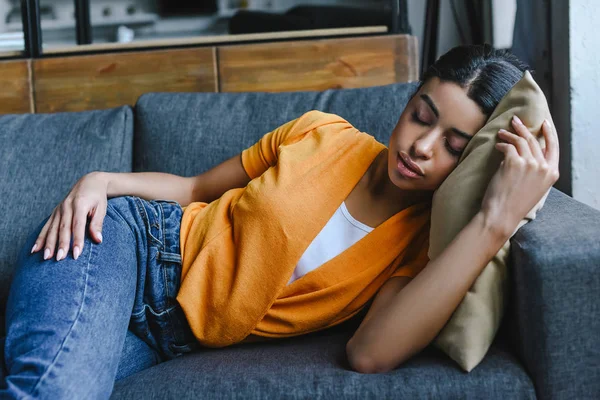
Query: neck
column 383, row 189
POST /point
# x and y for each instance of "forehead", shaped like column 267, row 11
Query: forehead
column 456, row 109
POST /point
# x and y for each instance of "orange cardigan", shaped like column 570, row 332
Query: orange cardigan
column 239, row 251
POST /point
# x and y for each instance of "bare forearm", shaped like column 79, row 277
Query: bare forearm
column 417, row 313
column 149, row 186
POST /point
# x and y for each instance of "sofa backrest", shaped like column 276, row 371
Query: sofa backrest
column 41, row 158
column 189, row 133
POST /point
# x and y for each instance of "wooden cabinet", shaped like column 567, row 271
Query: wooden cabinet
column 87, row 82
column 318, row 64
column 109, row 80
column 16, row 93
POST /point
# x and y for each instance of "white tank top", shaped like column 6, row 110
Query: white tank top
column 340, row 232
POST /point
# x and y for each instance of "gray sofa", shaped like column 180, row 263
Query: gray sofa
column 548, row 346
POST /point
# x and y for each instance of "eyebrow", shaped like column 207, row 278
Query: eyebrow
column 430, row 103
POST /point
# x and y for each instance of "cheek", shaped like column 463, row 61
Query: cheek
column 444, row 169
column 398, row 136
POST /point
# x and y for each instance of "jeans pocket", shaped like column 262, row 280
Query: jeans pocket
column 139, row 325
column 168, row 330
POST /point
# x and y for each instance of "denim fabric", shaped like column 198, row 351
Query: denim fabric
column 136, row 356
column 67, row 321
column 41, row 158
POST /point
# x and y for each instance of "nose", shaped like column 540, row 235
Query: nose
column 423, row 146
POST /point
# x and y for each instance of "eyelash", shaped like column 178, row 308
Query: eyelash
column 452, row 151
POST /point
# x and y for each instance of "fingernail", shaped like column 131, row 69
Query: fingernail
column 33, row 248
column 547, row 123
column 59, row 254
column 46, row 254
column 100, row 236
column 76, row 252
column 517, row 120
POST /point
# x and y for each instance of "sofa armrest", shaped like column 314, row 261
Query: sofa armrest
column 555, row 302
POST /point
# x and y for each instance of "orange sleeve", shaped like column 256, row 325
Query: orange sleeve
column 416, row 262
column 262, row 155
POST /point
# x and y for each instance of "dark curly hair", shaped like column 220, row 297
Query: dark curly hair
column 486, row 73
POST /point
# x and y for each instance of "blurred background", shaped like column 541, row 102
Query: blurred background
column 118, row 21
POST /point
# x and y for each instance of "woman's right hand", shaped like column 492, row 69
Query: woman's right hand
column 524, row 176
column 88, row 197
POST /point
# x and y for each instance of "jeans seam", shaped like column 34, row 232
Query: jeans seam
column 162, row 217
column 158, row 314
column 164, row 246
column 68, row 335
column 165, row 279
column 142, row 210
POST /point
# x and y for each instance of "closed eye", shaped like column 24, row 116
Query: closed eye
column 452, row 151
column 415, row 118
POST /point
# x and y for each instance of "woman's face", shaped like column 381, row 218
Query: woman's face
column 433, row 131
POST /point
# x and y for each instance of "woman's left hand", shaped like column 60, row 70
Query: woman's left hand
column 524, row 176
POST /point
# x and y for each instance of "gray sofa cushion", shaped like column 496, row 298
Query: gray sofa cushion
column 554, row 320
column 315, row 366
column 188, row 133
column 43, row 156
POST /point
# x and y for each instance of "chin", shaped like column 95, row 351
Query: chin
column 400, row 182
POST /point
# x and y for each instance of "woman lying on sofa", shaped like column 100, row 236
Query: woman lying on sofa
column 295, row 234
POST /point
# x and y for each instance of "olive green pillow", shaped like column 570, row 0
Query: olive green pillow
column 470, row 331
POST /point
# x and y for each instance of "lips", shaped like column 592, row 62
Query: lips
column 410, row 164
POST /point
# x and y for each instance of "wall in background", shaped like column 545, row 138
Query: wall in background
column 585, row 100
column 504, row 12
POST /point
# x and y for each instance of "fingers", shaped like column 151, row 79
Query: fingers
column 532, row 141
column 552, row 152
column 552, row 146
column 64, row 229
column 518, row 139
column 524, row 141
column 508, row 149
column 525, row 148
column 518, row 142
column 78, row 227
column 70, row 218
column 41, row 239
column 97, row 220
column 52, row 235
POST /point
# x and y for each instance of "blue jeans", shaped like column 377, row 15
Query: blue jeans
column 74, row 327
